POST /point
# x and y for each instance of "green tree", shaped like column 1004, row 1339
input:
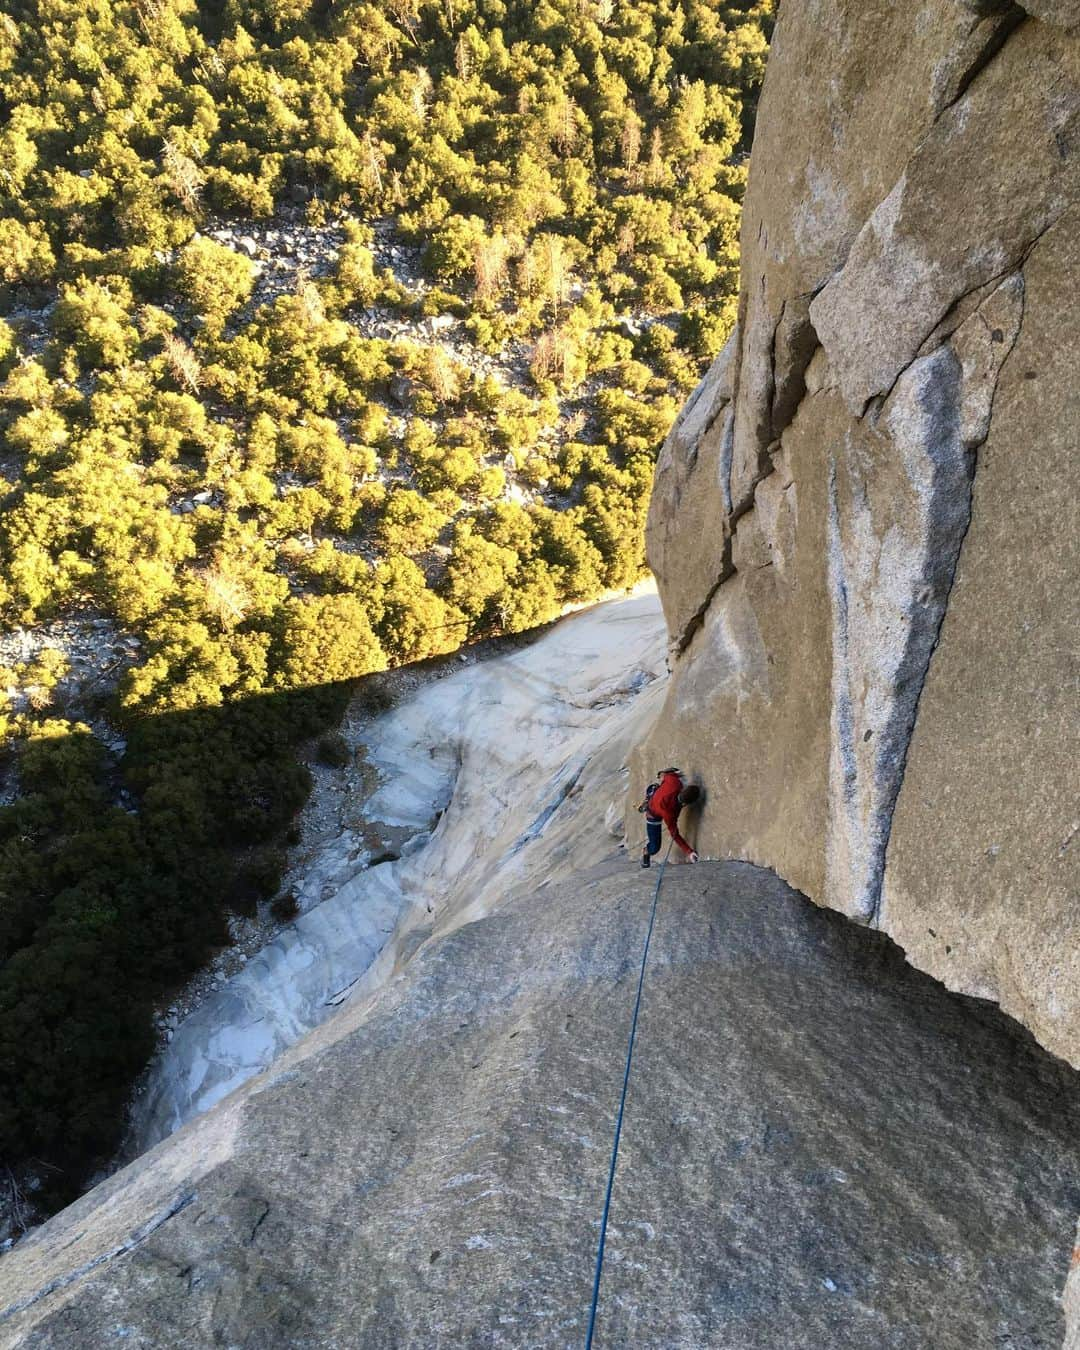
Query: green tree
column 95, row 318
column 213, row 279
column 325, row 638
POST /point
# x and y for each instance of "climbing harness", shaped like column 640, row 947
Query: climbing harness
column 622, row 1107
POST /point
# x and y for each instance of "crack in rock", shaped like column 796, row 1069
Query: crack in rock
column 914, row 259
column 145, row 1230
column 989, row 37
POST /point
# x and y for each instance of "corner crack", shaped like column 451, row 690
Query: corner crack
column 727, row 566
column 1011, row 20
column 876, row 402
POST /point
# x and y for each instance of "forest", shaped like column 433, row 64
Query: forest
column 334, row 336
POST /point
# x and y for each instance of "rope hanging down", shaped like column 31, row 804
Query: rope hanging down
column 622, row 1108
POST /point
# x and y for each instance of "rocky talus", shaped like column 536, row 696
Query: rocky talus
column 822, row 1148
column 865, row 523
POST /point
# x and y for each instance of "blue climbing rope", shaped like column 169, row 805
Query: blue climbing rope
column 622, row 1108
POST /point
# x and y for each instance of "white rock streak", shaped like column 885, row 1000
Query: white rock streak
column 892, row 552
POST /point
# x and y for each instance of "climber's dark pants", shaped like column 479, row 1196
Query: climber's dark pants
column 652, row 830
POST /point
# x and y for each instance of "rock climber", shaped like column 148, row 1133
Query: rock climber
column 664, row 799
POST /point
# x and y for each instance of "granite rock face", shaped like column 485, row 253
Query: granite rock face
column 865, row 525
column 822, row 1147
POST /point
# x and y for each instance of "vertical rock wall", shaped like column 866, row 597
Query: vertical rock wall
column 864, row 525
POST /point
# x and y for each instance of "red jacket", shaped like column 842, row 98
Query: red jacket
column 664, row 805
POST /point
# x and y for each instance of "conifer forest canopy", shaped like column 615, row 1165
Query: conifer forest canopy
column 334, row 336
